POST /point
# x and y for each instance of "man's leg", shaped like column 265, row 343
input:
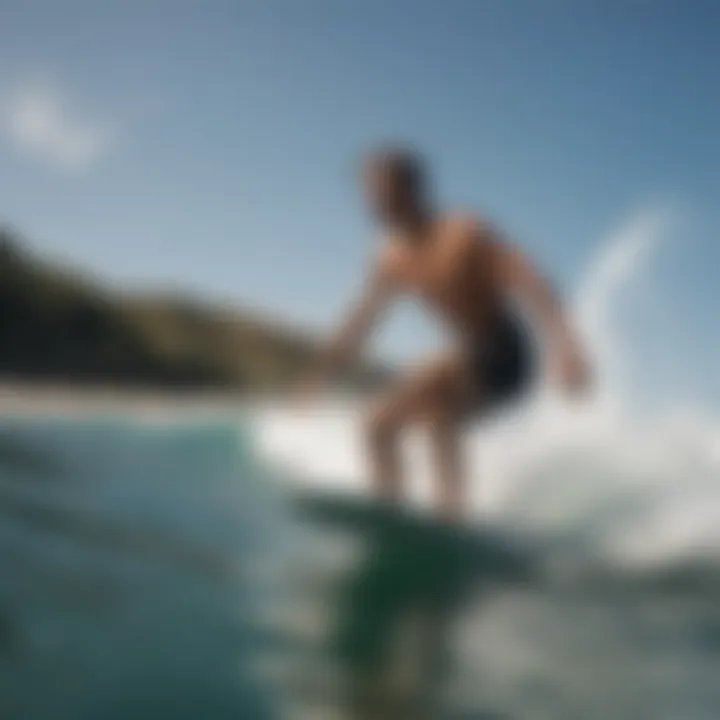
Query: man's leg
column 445, row 440
column 433, row 394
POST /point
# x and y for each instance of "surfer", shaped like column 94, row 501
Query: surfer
column 463, row 269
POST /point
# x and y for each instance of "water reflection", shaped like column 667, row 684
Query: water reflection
column 397, row 602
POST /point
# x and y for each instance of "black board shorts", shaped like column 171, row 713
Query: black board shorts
column 503, row 364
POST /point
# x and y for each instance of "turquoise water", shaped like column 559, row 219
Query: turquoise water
column 122, row 549
column 134, row 585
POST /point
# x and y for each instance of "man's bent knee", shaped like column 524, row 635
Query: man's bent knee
column 381, row 427
column 443, row 417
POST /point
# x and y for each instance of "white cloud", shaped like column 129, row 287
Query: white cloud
column 41, row 122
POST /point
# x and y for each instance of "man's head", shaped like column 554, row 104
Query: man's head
column 394, row 185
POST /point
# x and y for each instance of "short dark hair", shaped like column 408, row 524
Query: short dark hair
column 404, row 165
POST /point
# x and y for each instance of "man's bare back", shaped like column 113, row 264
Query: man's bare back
column 462, row 270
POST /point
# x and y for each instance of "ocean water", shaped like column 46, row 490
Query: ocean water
column 621, row 505
column 157, row 568
column 156, row 571
column 122, row 548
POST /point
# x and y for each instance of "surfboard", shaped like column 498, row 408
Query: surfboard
column 393, row 528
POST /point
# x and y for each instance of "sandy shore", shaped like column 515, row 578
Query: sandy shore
column 45, row 400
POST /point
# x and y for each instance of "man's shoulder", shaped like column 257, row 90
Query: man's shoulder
column 467, row 225
column 459, row 221
column 388, row 258
column 465, row 231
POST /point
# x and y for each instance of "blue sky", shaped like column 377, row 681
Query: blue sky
column 211, row 145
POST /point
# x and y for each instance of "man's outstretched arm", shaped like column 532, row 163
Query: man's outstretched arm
column 360, row 320
column 521, row 279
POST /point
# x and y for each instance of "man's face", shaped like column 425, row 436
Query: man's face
column 387, row 198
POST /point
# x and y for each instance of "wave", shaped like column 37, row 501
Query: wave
column 628, row 490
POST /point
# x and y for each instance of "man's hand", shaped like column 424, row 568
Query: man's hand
column 574, row 372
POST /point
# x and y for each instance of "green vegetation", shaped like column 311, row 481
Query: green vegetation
column 58, row 326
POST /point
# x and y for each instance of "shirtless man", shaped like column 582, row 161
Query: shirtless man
column 460, row 268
